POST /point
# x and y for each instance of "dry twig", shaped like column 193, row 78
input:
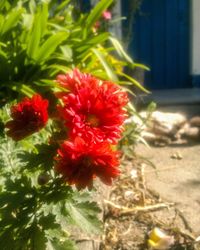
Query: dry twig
column 126, row 210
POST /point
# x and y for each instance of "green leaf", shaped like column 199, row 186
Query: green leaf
column 37, row 31
column 38, row 239
column 108, row 68
column 96, row 13
column 50, row 46
column 3, row 54
column 135, row 82
column 120, row 50
column 27, row 21
column 32, row 6
column 58, row 245
column 67, row 52
column 1, row 22
column 98, row 38
column 21, row 88
column 142, row 66
column 62, row 5
column 59, row 68
column 11, row 20
column 84, row 214
column 2, row 4
column 46, row 82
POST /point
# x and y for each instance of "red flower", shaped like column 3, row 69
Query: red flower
column 94, row 109
column 29, row 116
column 81, row 161
column 75, row 80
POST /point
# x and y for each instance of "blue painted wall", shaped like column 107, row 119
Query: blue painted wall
column 85, row 5
column 160, row 39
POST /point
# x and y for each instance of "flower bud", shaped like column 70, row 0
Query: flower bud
column 43, row 179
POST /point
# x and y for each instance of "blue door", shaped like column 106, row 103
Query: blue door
column 160, row 39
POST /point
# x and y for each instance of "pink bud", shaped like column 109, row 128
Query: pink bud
column 107, row 15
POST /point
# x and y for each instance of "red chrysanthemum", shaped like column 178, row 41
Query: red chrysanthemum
column 81, row 161
column 29, row 116
column 93, row 109
column 75, row 80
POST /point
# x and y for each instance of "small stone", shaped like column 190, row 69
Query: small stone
column 193, row 133
column 129, row 195
column 133, row 174
column 195, row 121
column 174, row 156
column 177, row 156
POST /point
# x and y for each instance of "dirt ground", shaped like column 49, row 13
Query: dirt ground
column 159, row 188
column 176, row 180
column 162, row 193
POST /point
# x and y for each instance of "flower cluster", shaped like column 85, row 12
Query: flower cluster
column 29, row 116
column 92, row 113
column 93, row 109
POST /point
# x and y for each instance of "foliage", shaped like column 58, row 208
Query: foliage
column 133, row 129
column 36, row 207
column 39, row 39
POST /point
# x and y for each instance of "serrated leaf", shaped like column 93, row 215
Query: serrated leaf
column 58, row 245
column 38, row 239
column 84, row 214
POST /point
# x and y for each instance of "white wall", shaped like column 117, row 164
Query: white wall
column 195, row 37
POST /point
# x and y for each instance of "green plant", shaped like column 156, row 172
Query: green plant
column 37, row 209
column 39, row 39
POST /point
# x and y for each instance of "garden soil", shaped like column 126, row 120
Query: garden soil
column 159, row 188
column 156, row 189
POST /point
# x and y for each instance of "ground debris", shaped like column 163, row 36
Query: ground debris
column 164, row 128
column 132, row 211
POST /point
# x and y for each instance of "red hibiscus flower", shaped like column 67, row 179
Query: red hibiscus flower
column 94, row 109
column 29, row 116
column 81, row 161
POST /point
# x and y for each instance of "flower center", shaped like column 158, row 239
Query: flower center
column 92, row 120
column 87, row 161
